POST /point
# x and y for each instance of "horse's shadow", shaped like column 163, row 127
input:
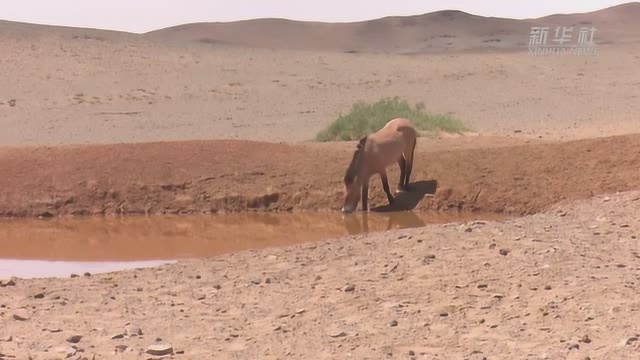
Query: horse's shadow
column 409, row 200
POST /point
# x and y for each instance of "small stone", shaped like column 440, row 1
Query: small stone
column 159, row 350
column 121, row 348
column 74, row 275
column 574, row 346
column 393, row 323
column 87, row 274
column 430, row 257
column 117, row 336
column 349, row 288
column 412, row 353
column 201, row 297
column 198, row 277
column 256, row 281
column 38, row 296
column 300, row 311
column 267, row 281
column 631, row 340
column 67, row 350
column 585, row 339
column 504, row 252
column 12, row 103
column 74, row 339
column 52, row 330
column 468, row 229
column 5, row 283
column 318, row 278
column 338, row 334
column 132, row 330
column 444, row 314
column 21, row 315
column 547, row 287
column 482, row 286
column 7, row 338
column 217, row 287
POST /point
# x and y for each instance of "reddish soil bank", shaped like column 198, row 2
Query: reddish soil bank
column 230, row 175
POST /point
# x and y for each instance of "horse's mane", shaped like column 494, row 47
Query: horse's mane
column 352, row 170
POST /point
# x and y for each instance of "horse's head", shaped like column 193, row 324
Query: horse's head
column 353, row 180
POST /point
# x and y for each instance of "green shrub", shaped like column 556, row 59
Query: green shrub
column 367, row 118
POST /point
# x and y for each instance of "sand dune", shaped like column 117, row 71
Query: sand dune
column 440, row 31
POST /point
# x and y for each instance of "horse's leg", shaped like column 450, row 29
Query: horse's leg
column 407, row 179
column 365, row 195
column 403, row 172
column 385, row 187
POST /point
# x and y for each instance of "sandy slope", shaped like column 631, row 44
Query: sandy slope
column 88, row 91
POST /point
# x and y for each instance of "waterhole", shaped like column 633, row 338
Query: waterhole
column 61, row 247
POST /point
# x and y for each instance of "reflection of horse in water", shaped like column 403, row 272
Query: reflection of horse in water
column 395, row 220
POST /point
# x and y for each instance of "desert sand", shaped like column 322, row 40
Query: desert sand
column 213, row 118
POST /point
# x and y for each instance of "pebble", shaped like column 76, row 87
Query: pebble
column 121, row 348
column 547, row 287
column 504, row 252
column 67, row 350
column 117, row 336
column 338, row 334
column 631, row 340
column 585, row 339
column 38, row 296
column 482, row 286
column 574, row 346
column 393, row 323
column 159, row 350
column 74, row 339
column 132, row 330
column 87, row 274
column 5, row 283
column 74, row 275
column 52, row 330
column 21, row 315
column 7, row 338
column 349, row 288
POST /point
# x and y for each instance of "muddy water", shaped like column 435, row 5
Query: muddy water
column 59, row 247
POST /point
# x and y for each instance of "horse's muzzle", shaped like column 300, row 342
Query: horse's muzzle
column 347, row 210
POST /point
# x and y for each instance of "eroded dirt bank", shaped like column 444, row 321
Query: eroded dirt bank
column 555, row 285
column 228, row 175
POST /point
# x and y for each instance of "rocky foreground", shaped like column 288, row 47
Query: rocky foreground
column 559, row 285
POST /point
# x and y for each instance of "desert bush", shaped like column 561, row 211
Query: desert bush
column 366, row 118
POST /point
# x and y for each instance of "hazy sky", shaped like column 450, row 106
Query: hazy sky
column 146, row 15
